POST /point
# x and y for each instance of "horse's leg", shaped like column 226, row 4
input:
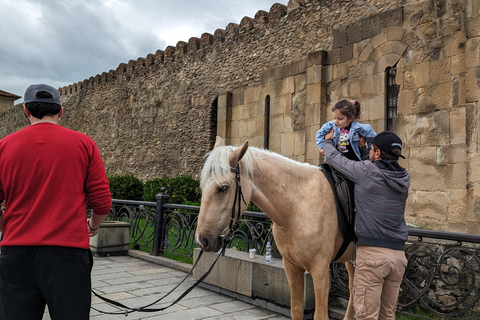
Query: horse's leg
column 351, row 272
column 295, row 278
column 321, row 285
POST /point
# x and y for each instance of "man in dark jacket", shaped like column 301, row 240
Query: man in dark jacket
column 381, row 191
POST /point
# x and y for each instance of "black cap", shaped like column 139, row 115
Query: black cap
column 388, row 141
column 32, row 94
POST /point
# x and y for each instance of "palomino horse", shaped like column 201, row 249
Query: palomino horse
column 299, row 200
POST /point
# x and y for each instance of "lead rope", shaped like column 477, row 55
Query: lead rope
column 238, row 196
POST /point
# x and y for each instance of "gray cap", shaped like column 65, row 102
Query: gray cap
column 32, row 94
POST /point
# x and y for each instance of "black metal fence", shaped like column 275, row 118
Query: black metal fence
column 442, row 280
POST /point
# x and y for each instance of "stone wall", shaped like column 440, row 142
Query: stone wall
column 158, row 115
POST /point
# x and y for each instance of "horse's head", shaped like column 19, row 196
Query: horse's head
column 219, row 187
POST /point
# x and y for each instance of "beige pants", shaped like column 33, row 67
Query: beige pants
column 376, row 285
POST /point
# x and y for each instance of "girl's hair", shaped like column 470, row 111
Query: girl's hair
column 349, row 108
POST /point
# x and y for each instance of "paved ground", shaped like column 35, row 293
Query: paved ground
column 136, row 282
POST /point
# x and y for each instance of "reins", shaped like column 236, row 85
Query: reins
column 146, row 308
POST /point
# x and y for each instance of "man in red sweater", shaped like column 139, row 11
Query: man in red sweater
column 48, row 174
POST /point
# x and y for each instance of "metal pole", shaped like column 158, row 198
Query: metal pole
column 159, row 232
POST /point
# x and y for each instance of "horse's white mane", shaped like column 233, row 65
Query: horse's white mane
column 217, row 165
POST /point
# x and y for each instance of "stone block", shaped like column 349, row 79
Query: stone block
column 237, row 98
column 472, row 85
column 314, row 93
column 287, row 123
column 377, row 108
column 333, row 56
column 371, row 26
column 455, row 44
column 314, row 74
column 112, row 239
column 392, row 18
column 458, row 134
column 473, row 203
column 275, row 142
column 366, row 52
column 472, row 53
column 339, row 37
column 288, row 144
column 293, row 69
column 346, row 53
column 453, row 153
column 237, row 112
column 457, row 63
column 473, row 172
column 281, row 72
column 406, row 100
column 250, row 127
column 358, row 48
column 472, row 27
column 395, row 33
column 250, row 95
column 259, row 126
column 288, row 85
column 456, row 176
column 316, row 58
column 313, row 153
column 379, row 39
column 242, row 128
column 355, row 88
column 424, row 155
column 431, row 205
column 276, row 124
column 421, row 74
column 367, row 85
column 278, row 105
column 440, row 70
column 435, row 97
column 340, row 71
column 299, row 144
column 355, row 32
column 427, row 177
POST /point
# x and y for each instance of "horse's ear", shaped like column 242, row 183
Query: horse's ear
column 219, row 142
column 238, row 154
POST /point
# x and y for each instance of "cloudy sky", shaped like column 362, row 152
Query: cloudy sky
column 60, row 42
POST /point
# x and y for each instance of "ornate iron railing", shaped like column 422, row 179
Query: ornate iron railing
column 442, row 280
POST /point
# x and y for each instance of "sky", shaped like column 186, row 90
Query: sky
column 61, row 42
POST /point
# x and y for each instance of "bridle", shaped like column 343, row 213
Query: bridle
column 236, row 203
column 238, row 197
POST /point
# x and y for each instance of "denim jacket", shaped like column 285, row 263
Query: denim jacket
column 356, row 128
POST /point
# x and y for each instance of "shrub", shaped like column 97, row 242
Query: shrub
column 127, row 187
column 180, row 189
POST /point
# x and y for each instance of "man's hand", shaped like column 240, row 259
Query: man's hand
column 329, row 135
column 91, row 232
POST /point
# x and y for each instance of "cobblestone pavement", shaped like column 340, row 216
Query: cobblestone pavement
column 135, row 282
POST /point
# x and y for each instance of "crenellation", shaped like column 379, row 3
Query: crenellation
column 206, row 39
column 181, row 48
column 246, row 23
column 122, row 68
column 150, row 60
column 159, row 57
column 169, row 53
column 261, row 17
column 277, row 12
column 219, row 35
column 231, row 31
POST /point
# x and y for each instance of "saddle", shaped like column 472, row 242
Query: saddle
column 344, row 200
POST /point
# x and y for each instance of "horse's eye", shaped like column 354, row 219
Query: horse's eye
column 222, row 189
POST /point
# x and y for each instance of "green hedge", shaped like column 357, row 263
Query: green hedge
column 183, row 189
column 127, row 187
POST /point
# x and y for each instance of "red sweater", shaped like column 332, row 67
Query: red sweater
column 47, row 175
